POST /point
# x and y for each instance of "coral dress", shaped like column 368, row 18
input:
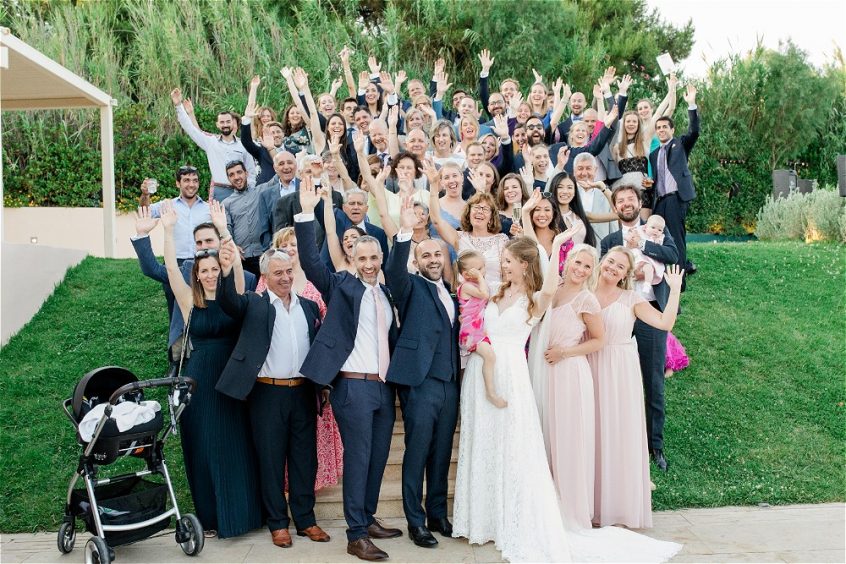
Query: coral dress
column 570, row 413
column 622, row 487
column 330, row 450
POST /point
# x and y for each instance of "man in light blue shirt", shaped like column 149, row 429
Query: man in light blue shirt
column 190, row 207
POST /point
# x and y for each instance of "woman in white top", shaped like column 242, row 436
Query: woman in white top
column 444, row 143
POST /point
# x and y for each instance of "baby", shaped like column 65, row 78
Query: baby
column 652, row 270
column 473, row 295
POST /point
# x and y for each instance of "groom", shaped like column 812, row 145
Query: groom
column 425, row 368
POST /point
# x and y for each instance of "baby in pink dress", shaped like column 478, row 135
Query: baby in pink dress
column 653, row 270
column 473, row 295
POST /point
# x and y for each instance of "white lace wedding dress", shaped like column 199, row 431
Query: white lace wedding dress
column 504, row 490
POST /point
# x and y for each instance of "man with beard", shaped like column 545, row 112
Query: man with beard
column 219, row 149
column 535, row 135
column 425, row 367
column 351, row 352
column 651, row 342
column 244, row 219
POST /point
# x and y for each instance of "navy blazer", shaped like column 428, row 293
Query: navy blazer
column 427, row 345
column 257, row 317
column 667, row 253
column 342, row 293
column 678, row 152
column 152, row 268
column 342, row 223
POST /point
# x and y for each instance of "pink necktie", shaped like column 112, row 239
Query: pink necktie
column 382, row 331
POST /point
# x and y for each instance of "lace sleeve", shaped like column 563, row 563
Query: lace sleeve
column 586, row 302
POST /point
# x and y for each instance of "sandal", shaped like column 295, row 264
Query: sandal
column 210, row 533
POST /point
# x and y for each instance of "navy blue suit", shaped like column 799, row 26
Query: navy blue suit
column 364, row 409
column 673, row 207
column 651, row 342
column 283, row 419
column 425, row 364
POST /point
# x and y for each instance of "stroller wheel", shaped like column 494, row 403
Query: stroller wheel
column 191, row 530
column 66, row 538
column 97, row 551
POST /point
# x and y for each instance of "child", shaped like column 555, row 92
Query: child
column 653, row 270
column 473, row 295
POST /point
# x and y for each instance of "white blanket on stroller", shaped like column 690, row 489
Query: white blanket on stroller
column 127, row 415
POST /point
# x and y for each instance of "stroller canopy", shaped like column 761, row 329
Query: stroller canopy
column 100, row 383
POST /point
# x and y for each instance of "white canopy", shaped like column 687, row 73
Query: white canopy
column 29, row 80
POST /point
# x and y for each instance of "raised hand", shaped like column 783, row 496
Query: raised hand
column 168, row 215
column 611, row 116
column 176, row 96
column 486, row 60
column 672, row 81
column 538, row 76
column 387, row 82
column 427, row 167
column 563, row 156
column 527, row 173
column 674, row 276
column 374, row 65
column 267, row 139
column 363, row 80
column 690, row 95
column 335, row 85
column 255, row 81
column 608, row 77
column 408, row 219
column 300, row 79
column 344, row 55
column 335, row 144
column 383, row 175
column 218, row 215
column 399, row 79
column 188, row 105
column 515, row 101
column 443, row 83
column 597, row 89
column 358, row 142
column 393, row 116
column 309, row 196
column 477, row 180
column 226, row 256
column 144, row 221
column 500, row 127
column 533, row 200
column 566, row 92
column 286, row 72
column 440, row 64
column 623, row 85
column 556, row 88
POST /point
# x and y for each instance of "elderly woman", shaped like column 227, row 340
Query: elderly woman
column 480, row 227
column 444, row 144
column 623, row 489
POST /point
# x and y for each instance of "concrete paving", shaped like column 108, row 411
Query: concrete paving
column 794, row 533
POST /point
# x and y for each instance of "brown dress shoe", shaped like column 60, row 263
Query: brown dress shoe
column 314, row 533
column 365, row 549
column 377, row 531
column 281, row 538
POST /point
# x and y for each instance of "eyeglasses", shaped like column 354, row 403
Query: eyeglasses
column 205, row 253
column 478, row 208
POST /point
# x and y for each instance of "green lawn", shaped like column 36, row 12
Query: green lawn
column 758, row 416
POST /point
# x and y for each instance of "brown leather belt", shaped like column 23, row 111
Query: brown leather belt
column 287, row 382
column 359, row 376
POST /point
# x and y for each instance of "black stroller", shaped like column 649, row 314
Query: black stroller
column 126, row 508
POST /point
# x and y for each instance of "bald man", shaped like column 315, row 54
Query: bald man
column 425, row 367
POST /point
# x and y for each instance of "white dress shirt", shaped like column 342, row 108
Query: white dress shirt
column 443, row 293
column 364, row 357
column 289, row 342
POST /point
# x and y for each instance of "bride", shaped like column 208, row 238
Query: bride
column 504, row 490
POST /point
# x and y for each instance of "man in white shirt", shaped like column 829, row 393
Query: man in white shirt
column 352, row 353
column 277, row 328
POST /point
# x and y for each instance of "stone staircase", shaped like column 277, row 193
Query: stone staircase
column 330, row 503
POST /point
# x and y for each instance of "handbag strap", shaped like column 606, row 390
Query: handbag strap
column 184, row 344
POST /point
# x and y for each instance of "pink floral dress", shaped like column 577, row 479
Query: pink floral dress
column 472, row 329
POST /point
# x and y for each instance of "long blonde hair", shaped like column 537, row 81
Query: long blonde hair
column 627, row 283
column 525, row 250
column 590, row 283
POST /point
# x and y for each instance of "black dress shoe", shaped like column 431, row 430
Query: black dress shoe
column 377, row 531
column 690, row 268
column 422, row 537
column 440, row 525
column 657, row 456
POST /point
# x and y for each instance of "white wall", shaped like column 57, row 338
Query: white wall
column 72, row 228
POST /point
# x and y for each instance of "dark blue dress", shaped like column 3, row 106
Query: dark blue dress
column 216, row 442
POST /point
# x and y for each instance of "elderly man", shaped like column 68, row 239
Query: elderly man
column 277, row 329
column 352, row 214
column 595, row 196
column 284, row 182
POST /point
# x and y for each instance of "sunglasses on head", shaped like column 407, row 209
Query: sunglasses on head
column 186, row 169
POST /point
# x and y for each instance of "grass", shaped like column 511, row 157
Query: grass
column 757, row 417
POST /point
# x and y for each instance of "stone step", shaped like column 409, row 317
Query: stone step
column 398, row 441
column 393, row 470
column 330, row 501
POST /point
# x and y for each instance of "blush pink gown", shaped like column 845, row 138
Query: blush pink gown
column 622, row 488
column 330, row 450
column 571, row 414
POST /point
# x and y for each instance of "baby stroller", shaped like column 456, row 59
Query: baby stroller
column 126, row 508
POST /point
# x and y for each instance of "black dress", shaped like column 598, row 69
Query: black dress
column 216, row 442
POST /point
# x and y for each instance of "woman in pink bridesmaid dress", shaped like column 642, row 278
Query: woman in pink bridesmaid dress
column 622, row 486
column 575, row 330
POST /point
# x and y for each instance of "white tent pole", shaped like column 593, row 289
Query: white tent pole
column 107, row 150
